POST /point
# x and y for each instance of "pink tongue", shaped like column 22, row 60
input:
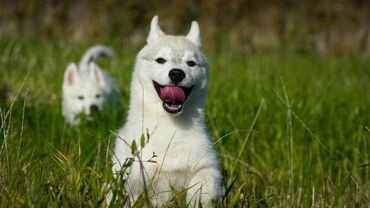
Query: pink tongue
column 172, row 94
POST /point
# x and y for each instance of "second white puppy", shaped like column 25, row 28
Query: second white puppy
column 89, row 88
column 168, row 93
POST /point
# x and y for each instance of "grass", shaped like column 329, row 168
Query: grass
column 292, row 130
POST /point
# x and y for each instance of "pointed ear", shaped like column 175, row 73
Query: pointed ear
column 194, row 34
column 95, row 73
column 71, row 76
column 155, row 31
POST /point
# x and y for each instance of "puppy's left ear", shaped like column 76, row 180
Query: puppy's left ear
column 194, row 34
column 95, row 73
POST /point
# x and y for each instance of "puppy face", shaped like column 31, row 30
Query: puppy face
column 83, row 94
column 173, row 67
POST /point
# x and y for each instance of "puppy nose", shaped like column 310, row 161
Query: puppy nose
column 176, row 75
column 94, row 108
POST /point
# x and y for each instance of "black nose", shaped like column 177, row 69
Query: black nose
column 176, row 75
column 94, row 108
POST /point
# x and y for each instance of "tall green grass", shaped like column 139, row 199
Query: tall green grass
column 292, row 130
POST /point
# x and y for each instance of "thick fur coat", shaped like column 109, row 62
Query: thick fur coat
column 167, row 100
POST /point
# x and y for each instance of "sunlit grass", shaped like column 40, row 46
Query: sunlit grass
column 291, row 129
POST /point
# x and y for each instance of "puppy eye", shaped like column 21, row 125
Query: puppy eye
column 80, row 97
column 97, row 95
column 191, row 63
column 160, row 60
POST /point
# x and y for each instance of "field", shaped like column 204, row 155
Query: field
column 291, row 129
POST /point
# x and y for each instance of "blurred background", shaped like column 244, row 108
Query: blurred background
column 288, row 99
column 340, row 27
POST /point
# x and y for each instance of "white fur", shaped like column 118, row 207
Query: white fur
column 186, row 156
column 88, row 86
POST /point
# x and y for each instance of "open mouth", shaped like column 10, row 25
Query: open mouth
column 172, row 96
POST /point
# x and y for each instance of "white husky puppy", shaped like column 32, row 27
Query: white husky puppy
column 90, row 88
column 168, row 93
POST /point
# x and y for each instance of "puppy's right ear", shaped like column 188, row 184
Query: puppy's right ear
column 71, row 75
column 155, row 31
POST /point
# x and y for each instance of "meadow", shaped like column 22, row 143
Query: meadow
column 291, row 129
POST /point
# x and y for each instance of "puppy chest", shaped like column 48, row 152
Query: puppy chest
column 177, row 156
